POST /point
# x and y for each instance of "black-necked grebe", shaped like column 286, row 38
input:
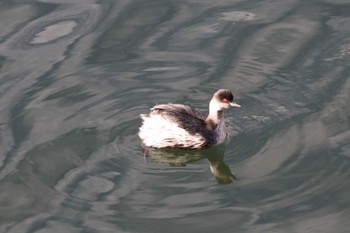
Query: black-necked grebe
column 179, row 126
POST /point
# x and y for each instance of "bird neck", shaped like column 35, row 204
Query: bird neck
column 216, row 116
column 215, row 112
column 214, row 120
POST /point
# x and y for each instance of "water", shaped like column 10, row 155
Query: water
column 75, row 75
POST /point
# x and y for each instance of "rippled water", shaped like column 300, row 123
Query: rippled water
column 75, row 75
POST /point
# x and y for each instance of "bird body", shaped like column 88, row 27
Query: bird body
column 180, row 126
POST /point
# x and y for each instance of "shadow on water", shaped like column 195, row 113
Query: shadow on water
column 179, row 157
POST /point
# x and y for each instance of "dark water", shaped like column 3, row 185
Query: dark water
column 75, row 75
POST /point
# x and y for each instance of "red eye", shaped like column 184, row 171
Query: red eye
column 225, row 100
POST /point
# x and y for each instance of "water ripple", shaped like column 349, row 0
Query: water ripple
column 75, row 77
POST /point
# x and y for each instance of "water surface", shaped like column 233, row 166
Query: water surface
column 75, row 75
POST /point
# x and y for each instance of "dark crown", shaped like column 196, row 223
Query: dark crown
column 224, row 94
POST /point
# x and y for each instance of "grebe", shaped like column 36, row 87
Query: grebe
column 179, row 126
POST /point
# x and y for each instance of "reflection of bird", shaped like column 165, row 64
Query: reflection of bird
column 179, row 126
column 220, row 169
column 215, row 156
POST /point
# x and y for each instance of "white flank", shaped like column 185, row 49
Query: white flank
column 159, row 132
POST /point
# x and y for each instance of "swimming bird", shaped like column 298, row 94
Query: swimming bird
column 180, row 126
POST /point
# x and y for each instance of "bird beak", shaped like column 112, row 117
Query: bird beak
column 233, row 104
